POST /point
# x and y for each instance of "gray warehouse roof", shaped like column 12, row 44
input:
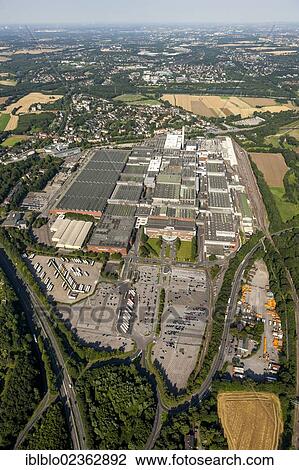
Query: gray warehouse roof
column 220, row 200
column 111, row 231
column 167, row 191
column 94, row 184
column 130, row 192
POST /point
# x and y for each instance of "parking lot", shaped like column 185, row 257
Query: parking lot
column 66, row 280
column 183, row 325
column 95, row 318
column 147, row 291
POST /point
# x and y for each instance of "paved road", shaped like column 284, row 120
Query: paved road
column 46, row 401
column 37, row 316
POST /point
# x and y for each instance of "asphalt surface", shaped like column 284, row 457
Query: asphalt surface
column 37, row 316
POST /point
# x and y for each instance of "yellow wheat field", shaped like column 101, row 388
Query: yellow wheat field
column 251, row 421
column 24, row 104
column 220, row 106
column 36, row 51
column 32, row 98
column 12, row 123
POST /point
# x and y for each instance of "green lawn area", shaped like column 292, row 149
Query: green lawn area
column 167, row 251
column 13, row 140
column 147, row 102
column 185, row 251
column 155, row 244
column 137, row 100
column 130, row 98
column 273, row 139
column 4, row 118
column 287, row 209
column 291, row 129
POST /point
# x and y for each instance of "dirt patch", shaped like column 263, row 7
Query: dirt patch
column 273, row 167
column 251, row 421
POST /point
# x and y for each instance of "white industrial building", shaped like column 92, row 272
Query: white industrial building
column 70, row 234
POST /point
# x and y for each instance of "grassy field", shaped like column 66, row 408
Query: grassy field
column 184, row 253
column 291, row 129
column 221, row 106
column 137, row 100
column 167, row 251
column 286, row 209
column 155, row 244
column 13, row 140
column 273, row 139
column 251, row 420
column 4, row 118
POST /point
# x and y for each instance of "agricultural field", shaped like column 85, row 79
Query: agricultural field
column 220, row 106
column 273, row 167
column 36, row 51
column 8, row 82
column 137, row 100
column 13, row 140
column 251, row 420
column 286, row 209
column 23, row 105
column 12, row 123
column 4, row 119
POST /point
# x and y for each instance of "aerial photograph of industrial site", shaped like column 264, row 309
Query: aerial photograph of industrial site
column 149, row 227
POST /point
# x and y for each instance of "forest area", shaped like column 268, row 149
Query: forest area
column 119, row 405
column 20, row 375
column 50, row 432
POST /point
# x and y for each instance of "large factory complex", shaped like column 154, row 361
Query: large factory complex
column 172, row 187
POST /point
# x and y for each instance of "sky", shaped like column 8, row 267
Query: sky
column 148, row 11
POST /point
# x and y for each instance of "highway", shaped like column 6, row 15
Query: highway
column 37, row 317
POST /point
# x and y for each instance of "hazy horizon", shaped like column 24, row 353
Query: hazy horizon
column 90, row 12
